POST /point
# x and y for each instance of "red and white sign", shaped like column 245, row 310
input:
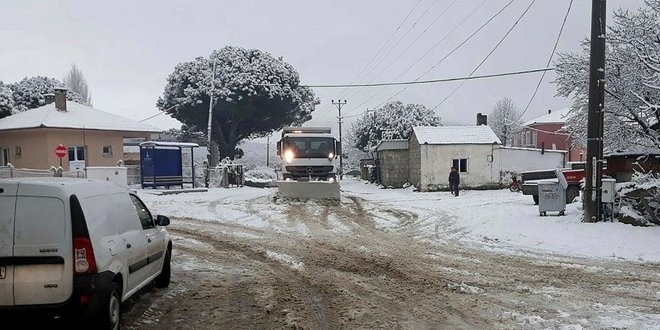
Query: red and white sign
column 60, row 151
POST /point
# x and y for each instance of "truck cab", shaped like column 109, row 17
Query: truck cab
column 308, row 153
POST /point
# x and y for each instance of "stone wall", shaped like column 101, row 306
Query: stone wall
column 394, row 167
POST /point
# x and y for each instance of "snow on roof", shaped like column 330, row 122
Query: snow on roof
column 482, row 134
column 77, row 116
column 554, row 117
column 393, row 144
column 633, row 151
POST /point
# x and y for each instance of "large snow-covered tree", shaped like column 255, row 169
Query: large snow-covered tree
column 393, row 120
column 632, row 74
column 6, row 101
column 30, row 93
column 504, row 119
column 75, row 81
column 254, row 94
column 185, row 134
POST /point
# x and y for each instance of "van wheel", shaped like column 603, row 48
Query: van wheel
column 110, row 310
column 163, row 280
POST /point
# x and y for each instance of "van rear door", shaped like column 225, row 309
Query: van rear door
column 42, row 246
column 7, row 203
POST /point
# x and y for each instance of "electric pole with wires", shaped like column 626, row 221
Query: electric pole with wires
column 339, row 104
column 593, row 176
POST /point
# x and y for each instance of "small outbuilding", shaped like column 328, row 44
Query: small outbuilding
column 621, row 164
column 393, row 158
column 471, row 149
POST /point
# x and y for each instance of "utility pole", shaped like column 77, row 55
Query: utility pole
column 339, row 104
column 267, row 150
column 592, row 189
column 211, row 146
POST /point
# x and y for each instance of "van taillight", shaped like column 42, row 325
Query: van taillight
column 83, row 256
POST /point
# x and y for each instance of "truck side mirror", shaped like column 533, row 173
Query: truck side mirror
column 278, row 148
column 337, row 148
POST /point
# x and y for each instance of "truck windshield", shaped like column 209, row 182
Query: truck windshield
column 310, row 147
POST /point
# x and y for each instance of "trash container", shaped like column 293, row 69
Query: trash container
column 552, row 197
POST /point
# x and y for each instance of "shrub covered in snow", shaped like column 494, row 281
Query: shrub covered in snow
column 640, row 200
column 261, row 174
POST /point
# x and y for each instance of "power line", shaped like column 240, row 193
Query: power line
column 489, row 54
column 419, row 82
column 449, row 54
column 355, row 79
column 158, row 114
column 385, row 44
column 425, row 54
column 396, row 44
column 552, row 54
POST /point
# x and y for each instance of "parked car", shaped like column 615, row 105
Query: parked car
column 574, row 175
column 78, row 248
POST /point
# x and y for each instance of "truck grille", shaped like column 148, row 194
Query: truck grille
column 301, row 171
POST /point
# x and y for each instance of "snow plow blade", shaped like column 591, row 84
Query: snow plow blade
column 321, row 190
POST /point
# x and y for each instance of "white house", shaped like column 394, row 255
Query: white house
column 475, row 151
column 471, row 149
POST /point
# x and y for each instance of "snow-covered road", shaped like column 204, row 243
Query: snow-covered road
column 397, row 259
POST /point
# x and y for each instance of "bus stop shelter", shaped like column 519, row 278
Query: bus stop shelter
column 161, row 164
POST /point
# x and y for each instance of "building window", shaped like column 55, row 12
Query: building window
column 107, row 150
column 18, row 151
column 461, row 164
column 5, row 156
column 76, row 153
column 534, row 138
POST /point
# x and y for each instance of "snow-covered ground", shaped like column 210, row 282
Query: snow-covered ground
column 491, row 219
column 397, row 259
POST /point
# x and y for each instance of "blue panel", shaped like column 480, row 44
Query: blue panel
column 160, row 167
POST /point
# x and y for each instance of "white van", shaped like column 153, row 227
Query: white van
column 78, row 247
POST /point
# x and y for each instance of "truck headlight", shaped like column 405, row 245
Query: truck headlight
column 288, row 156
column 331, row 155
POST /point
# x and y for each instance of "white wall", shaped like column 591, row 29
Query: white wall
column 517, row 160
column 436, row 161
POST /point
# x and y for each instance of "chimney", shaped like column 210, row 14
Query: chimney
column 49, row 98
column 60, row 98
column 482, row 119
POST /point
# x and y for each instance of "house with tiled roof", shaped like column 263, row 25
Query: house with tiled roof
column 548, row 133
column 91, row 137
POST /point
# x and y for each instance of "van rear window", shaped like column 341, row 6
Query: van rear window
column 78, row 224
column 39, row 220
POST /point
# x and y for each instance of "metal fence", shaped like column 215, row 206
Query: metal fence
column 13, row 172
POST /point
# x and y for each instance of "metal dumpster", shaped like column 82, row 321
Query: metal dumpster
column 552, row 195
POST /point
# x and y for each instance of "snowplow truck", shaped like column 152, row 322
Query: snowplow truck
column 308, row 163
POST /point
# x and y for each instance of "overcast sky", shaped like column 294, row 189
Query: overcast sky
column 126, row 49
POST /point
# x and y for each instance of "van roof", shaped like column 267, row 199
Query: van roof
column 72, row 185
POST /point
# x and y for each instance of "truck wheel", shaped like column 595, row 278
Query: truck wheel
column 571, row 194
column 536, row 199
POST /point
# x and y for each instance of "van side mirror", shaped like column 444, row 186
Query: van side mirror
column 162, row 220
